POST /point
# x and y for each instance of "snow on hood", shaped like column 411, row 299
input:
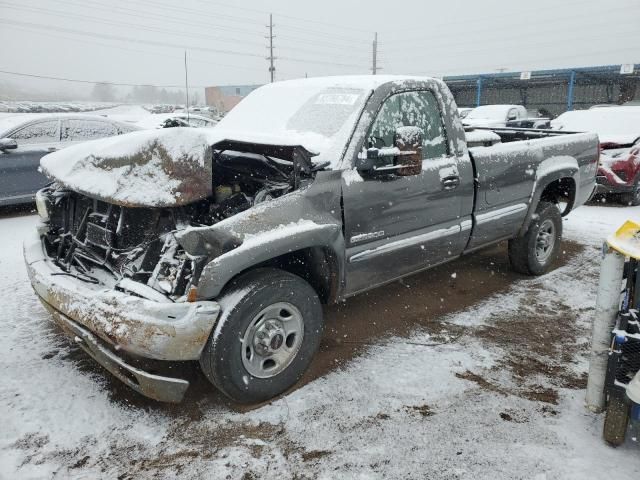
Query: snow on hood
column 168, row 167
column 149, row 168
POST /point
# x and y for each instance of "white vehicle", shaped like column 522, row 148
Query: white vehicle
column 464, row 111
column 614, row 125
column 494, row 115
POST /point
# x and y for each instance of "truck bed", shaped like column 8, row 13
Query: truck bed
column 508, row 176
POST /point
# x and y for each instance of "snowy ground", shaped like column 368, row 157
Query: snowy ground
column 480, row 374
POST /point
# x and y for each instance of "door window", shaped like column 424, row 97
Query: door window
column 79, row 130
column 40, row 132
column 415, row 109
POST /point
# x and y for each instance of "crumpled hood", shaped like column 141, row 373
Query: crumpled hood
column 151, row 168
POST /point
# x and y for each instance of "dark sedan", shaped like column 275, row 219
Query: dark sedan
column 24, row 139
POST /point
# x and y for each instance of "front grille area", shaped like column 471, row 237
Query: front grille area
column 86, row 234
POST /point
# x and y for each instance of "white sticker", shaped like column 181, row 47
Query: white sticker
column 337, row 99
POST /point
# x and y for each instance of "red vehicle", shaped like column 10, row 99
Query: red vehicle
column 619, row 131
column 619, row 173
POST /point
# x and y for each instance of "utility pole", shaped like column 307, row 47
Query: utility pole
column 271, row 58
column 374, row 66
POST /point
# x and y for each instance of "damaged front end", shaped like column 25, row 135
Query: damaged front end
column 115, row 275
column 134, row 248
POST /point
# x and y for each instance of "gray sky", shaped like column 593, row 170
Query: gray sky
column 226, row 44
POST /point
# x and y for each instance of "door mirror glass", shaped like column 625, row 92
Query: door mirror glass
column 403, row 158
column 512, row 116
column 8, row 144
column 408, row 142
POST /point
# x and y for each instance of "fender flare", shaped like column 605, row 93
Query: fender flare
column 566, row 169
column 266, row 246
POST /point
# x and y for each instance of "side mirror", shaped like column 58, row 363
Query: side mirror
column 404, row 158
column 408, row 140
column 8, row 144
column 512, row 116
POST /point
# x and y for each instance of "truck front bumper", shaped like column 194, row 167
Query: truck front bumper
column 105, row 321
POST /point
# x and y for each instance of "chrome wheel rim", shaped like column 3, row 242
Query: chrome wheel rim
column 272, row 340
column 545, row 240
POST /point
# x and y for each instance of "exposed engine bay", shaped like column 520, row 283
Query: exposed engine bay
column 134, row 248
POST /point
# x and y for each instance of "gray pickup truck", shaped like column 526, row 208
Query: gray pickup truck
column 222, row 245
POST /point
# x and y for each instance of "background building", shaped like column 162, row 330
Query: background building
column 224, row 98
column 554, row 90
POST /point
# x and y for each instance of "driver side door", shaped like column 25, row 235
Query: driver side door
column 394, row 224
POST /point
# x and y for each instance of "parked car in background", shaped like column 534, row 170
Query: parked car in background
column 532, row 122
column 494, row 115
column 25, row 139
column 464, row 111
column 619, row 131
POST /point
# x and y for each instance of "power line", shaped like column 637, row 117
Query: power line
column 115, row 84
column 316, row 22
column 535, row 29
column 145, row 52
column 121, row 24
column 164, row 44
column 127, row 24
column 126, row 39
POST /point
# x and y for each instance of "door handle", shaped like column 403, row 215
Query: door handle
column 52, row 149
column 450, row 182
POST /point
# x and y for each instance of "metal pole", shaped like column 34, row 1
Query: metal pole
column 374, row 67
column 572, row 81
column 272, row 69
column 186, row 82
column 479, row 91
column 607, row 306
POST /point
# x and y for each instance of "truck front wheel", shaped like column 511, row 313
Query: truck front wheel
column 269, row 329
column 535, row 252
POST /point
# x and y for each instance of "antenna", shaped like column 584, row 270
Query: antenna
column 186, row 82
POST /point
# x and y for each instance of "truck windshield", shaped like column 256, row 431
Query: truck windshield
column 314, row 115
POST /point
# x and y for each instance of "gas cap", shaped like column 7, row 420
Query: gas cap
column 633, row 389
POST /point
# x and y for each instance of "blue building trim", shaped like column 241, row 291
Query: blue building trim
column 479, row 92
column 572, row 82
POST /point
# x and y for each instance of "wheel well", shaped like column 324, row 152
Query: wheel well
column 559, row 191
column 317, row 265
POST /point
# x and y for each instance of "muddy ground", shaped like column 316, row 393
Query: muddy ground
column 465, row 371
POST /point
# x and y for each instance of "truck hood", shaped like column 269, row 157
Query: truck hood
column 151, row 168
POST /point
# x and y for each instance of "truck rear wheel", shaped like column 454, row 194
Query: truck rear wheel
column 615, row 421
column 269, row 329
column 535, row 252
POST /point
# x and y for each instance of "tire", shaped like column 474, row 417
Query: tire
column 632, row 198
column 268, row 332
column 615, row 421
column 526, row 253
